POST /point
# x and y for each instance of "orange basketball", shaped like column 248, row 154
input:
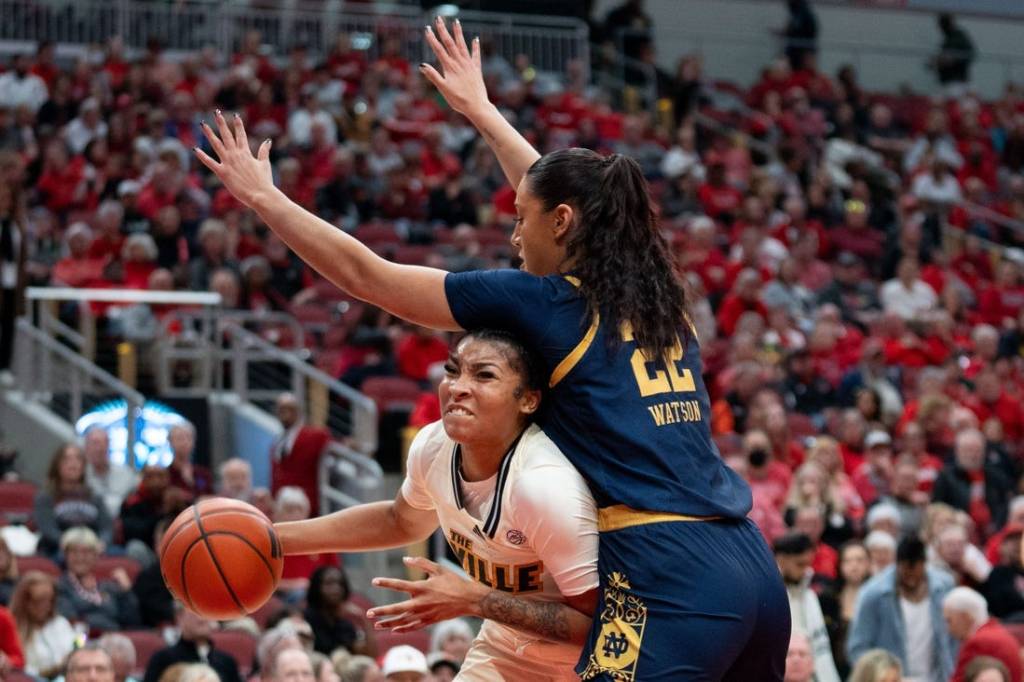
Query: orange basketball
column 221, row 558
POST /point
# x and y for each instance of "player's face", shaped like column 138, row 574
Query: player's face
column 481, row 395
column 539, row 235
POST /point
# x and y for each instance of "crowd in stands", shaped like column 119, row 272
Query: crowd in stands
column 856, row 275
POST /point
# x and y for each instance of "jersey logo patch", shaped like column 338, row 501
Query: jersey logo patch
column 615, row 653
column 516, row 537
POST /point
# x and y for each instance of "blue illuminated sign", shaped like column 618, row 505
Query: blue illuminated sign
column 152, row 423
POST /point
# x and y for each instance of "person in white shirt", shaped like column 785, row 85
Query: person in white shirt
column 907, row 295
column 938, row 186
column 110, row 481
column 518, row 516
column 301, row 122
column 46, row 636
column 85, row 127
column 18, row 87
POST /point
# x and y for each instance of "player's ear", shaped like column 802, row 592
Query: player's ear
column 529, row 401
column 563, row 217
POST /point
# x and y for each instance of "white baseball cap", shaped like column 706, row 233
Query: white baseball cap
column 404, row 659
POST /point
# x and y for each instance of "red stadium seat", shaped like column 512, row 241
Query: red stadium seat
column 106, row 565
column 390, row 392
column 146, row 643
column 801, row 426
column 413, row 254
column 263, row 613
column 377, row 234
column 37, row 563
column 239, row 645
column 16, row 498
column 488, row 237
column 419, row 639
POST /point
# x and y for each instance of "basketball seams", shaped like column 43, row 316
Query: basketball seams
column 213, row 558
column 216, row 512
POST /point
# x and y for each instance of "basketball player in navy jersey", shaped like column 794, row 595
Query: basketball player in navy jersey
column 689, row 589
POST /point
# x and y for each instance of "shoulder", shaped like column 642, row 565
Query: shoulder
column 877, row 586
column 939, row 580
column 542, row 476
column 429, row 442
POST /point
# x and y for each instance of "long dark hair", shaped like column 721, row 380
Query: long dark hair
column 624, row 265
column 315, row 591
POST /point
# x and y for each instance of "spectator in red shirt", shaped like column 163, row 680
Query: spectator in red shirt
column 767, row 477
column 990, row 400
column 810, row 520
column 193, row 479
column 77, row 269
column 967, row 618
column 914, row 444
column 418, row 350
column 138, row 261
column 852, row 428
column 873, row 478
column 63, row 185
column 719, row 199
column 856, row 235
column 744, row 297
column 108, row 221
column 11, row 655
column 1000, row 302
column 428, row 406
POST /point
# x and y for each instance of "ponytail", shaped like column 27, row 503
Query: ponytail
column 624, row 265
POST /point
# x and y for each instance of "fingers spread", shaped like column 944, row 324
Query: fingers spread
column 439, row 49
column 263, row 153
column 207, row 161
column 445, row 36
column 460, row 40
column 397, row 585
column 215, row 142
column 431, row 74
column 476, row 52
column 240, row 136
column 226, row 136
column 424, row 564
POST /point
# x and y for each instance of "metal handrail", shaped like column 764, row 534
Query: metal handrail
column 35, row 379
column 351, row 468
column 243, row 343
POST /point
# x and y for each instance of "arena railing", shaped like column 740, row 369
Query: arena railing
column 190, row 25
column 49, row 373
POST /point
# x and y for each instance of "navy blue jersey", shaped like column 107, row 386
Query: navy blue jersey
column 637, row 430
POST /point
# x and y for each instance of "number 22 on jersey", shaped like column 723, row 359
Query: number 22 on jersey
column 666, row 377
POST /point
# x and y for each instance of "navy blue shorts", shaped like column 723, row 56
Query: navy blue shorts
column 688, row 600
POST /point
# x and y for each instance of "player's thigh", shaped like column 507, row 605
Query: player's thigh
column 679, row 601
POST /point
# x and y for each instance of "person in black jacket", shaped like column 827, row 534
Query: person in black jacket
column 156, row 605
column 1004, row 589
column 970, row 484
column 193, row 646
column 328, row 612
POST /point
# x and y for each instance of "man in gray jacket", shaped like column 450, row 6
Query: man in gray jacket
column 900, row 610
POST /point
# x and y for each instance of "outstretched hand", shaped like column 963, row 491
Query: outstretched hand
column 442, row 596
column 247, row 177
column 462, row 81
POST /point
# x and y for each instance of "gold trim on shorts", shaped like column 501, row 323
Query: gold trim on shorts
column 620, row 516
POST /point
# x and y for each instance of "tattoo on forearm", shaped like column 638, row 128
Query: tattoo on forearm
column 548, row 619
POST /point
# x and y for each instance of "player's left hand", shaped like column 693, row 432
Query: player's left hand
column 442, row 596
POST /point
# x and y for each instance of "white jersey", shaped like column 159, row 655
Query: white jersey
column 534, row 536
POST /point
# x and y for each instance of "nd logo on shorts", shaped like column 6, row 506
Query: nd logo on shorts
column 617, row 647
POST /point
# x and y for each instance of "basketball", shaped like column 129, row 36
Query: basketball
column 221, row 558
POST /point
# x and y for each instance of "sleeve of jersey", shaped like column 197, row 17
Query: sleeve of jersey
column 414, row 487
column 510, row 300
column 558, row 516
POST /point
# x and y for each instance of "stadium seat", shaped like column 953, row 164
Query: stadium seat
column 16, row 498
column 490, row 236
column 377, row 234
column 413, row 254
column 263, row 613
column 240, row 645
column 146, row 643
column 38, row 563
column 390, row 392
column 419, row 639
column 106, row 565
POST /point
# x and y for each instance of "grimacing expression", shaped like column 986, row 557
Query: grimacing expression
column 482, row 392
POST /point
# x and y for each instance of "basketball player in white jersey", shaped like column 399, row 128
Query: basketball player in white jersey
column 518, row 516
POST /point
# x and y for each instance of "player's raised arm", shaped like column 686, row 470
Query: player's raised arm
column 461, row 81
column 413, row 293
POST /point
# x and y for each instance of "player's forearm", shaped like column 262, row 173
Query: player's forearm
column 554, row 621
column 514, row 153
column 357, row 529
column 339, row 257
column 414, row 293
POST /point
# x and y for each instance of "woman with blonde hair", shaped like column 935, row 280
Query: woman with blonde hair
column 8, row 572
column 811, row 488
column 877, row 665
column 825, row 451
column 46, row 636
